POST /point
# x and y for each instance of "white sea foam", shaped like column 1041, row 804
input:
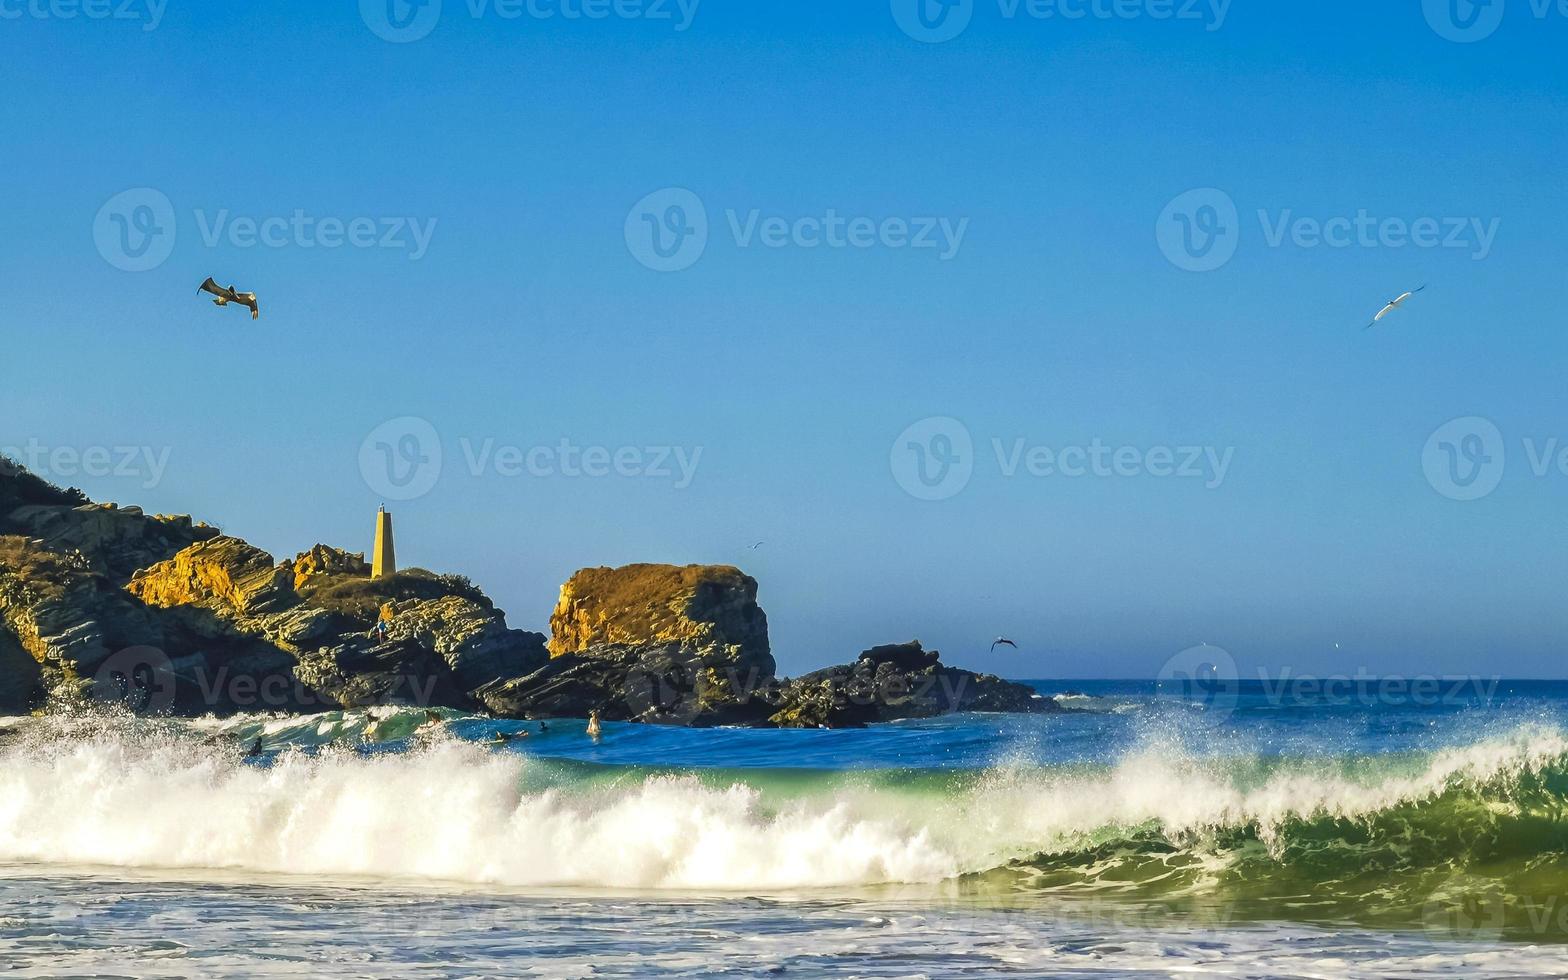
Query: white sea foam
column 459, row 812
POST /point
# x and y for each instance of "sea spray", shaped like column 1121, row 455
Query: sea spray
column 136, row 794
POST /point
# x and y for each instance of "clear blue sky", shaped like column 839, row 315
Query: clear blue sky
column 1057, row 321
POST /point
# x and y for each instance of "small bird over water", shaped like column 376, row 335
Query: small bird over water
column 227, row 295
column 1003, row 641
column 1393, row 305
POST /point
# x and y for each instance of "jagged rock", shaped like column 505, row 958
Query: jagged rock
column 893, row 683
column 326, row 560
column 57, row 608
column 21, row 680
column 225, row 574
column 473, row 639
column 710, row 610
column 656, row 685
column 119, row 541
column 361, row 674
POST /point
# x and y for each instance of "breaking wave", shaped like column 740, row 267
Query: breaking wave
column 1358, row 833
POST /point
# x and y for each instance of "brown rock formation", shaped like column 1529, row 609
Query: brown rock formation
column 326, row 560
column 224, row 571
column 707, row 609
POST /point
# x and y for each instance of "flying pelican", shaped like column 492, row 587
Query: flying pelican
column 229, row 295
column 1392, row 306
column 1003, row 641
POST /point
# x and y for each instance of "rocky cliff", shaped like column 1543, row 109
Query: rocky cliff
column 170, row 615
column 162, row 614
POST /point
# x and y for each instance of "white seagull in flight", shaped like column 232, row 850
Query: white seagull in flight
column 1392, row 306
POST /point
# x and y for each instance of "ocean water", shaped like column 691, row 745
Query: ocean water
column 1372, row 831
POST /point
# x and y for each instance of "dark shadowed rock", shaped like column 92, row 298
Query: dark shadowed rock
column 361, row 674
column 893, row 683
column 665, row 685
column 21, row 680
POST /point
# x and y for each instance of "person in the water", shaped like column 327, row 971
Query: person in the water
column 507, row 738
column 594, row 730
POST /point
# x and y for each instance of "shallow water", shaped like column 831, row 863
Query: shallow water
column 1141, row 835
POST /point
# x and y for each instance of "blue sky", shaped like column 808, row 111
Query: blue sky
column 786, row 370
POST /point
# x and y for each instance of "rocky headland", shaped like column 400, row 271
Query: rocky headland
column 167, row 615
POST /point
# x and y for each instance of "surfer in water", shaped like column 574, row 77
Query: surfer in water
column 594, row 731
